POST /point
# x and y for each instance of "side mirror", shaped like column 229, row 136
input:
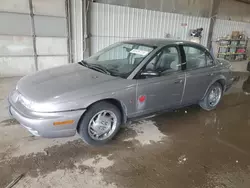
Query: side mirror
column 150, row 73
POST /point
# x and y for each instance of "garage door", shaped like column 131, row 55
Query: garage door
column 33, row 35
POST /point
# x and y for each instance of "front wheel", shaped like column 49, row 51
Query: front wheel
column 100, row 123
column 212, row 98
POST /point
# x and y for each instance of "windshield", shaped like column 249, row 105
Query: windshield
column 120, row 59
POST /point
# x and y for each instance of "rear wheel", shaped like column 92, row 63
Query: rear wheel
column 212, row 98
column 100, row 123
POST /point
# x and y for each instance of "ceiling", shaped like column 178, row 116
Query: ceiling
column 244, row 1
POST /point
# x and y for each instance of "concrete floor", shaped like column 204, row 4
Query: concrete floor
column 188, row 148
column 239, row 66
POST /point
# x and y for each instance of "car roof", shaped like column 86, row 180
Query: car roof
column 160, row 42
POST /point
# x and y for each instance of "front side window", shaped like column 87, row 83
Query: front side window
column 165, row 61
column 120, row 59
column 195, row 57
column 210, row 61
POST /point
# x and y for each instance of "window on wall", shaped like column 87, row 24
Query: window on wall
column 195, row 57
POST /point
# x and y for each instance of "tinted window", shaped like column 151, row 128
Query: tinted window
column 165, row 61
column 195, row 57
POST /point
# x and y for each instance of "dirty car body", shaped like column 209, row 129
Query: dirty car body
column 138, row 77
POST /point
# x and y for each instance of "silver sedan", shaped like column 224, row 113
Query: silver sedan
column 126, row 80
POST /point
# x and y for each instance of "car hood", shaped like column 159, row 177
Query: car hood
column 224, row 62
column 51, row 84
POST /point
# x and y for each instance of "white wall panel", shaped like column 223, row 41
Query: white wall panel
column 188, row 7
column 16, row 45
column 16, row 66
column 17, row 37
column 50, row 26
column 52, row 61
column 48, row 7
column 98, row 43
column 51, row 46
column 111, row 23
column 15, row 24
column 21, row 6
column 225, row 27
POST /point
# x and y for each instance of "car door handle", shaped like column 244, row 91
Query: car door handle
column 178, row 81
column 210, row 74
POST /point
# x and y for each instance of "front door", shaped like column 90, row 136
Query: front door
column 166, row 90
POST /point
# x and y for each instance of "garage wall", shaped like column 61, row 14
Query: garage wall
column 225, row 27
column 33, row 36
column 199, row 8
column 111, row 23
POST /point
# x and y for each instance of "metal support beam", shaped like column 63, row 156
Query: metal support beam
column 33, row 33
column 77, row 29
column 244, row 1
column 86, row 25
column 69, row 30
column 213, row 14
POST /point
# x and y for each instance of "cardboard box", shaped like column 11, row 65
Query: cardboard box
column 235, row 34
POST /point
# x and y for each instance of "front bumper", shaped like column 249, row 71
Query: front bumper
column 42, row 124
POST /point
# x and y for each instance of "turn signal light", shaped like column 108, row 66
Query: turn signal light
column 67, row 122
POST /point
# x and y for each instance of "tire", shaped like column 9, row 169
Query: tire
column 91, row 113
column 205, row 102
column 248, row 66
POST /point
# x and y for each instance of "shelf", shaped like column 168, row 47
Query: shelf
column 233, row 39
column 232, row 53
column 232, row 46
column 237, row 60
column 230, row 49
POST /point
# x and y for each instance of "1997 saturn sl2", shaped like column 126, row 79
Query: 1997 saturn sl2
column 126, row 80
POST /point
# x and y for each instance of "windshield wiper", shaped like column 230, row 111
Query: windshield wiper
column 96, row 67
column 99, row 68
column 84, row 63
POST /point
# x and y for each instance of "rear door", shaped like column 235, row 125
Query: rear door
column 199, row 72
column 165, row 91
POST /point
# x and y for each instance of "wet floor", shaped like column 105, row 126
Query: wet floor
column 185, row 148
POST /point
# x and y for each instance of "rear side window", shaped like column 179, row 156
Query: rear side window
column 197, row 58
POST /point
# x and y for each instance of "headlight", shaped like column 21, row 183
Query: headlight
column 33, row 105
column 231, row 67
column 17, row 97
column 14, row 96
column 25, row 102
